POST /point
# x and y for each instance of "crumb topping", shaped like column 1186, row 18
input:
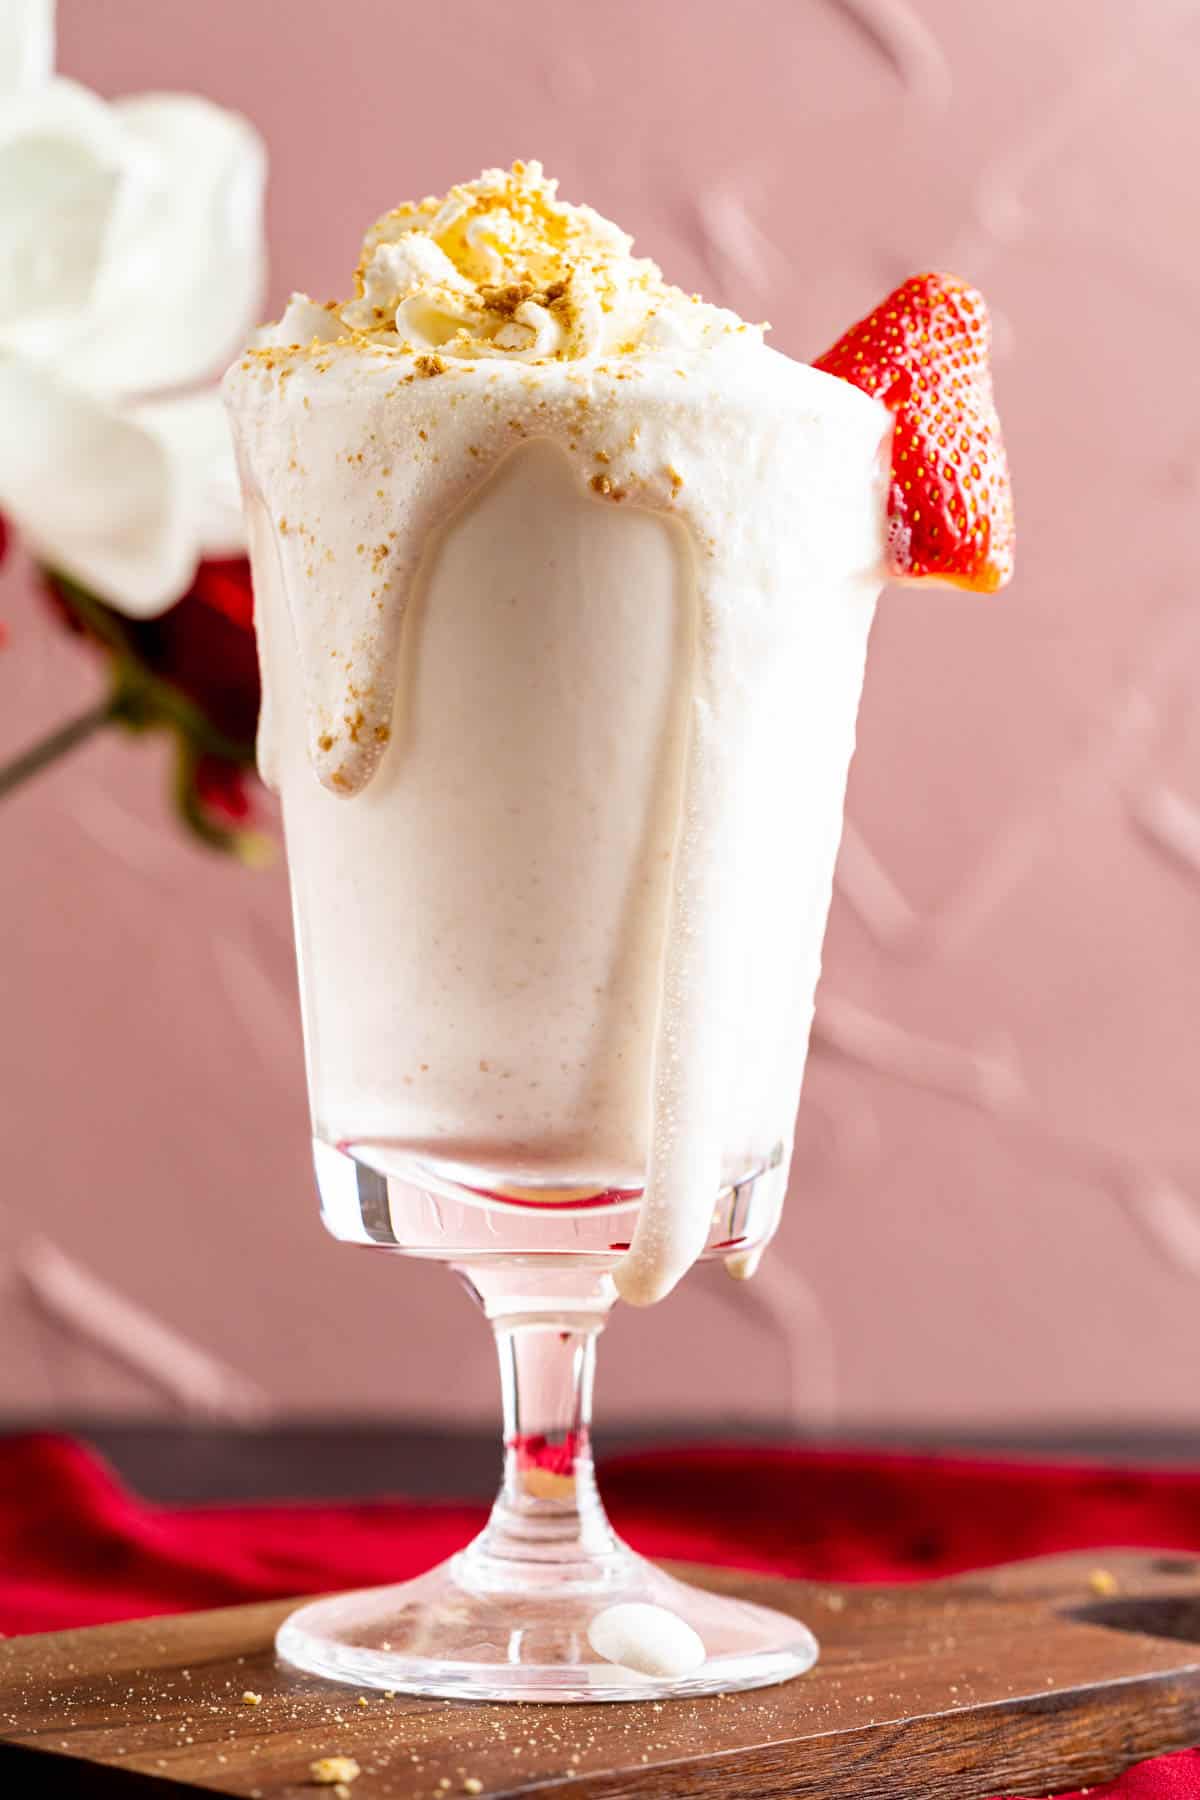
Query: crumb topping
column 501, row 267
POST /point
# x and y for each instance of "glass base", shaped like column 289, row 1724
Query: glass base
column 453, row 1634
column 450, row 1212
column 515, row 1615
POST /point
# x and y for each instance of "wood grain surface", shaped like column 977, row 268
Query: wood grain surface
column 1043, row 1675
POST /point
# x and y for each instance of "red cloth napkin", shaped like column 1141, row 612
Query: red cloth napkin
column 76, row 1548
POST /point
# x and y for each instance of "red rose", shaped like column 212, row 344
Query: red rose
column 204, row 647
column 193, row 670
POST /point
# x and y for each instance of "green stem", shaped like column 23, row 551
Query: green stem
column 66, row 738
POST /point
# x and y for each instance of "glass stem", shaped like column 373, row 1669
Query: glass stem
column 548, row 1512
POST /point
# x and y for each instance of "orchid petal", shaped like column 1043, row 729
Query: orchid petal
column 183, row 275
column 95, row 494
column 26, row 45
column 194, row 428
column 64, row 161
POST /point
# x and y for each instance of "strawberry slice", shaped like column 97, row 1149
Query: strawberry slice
column 924, row 353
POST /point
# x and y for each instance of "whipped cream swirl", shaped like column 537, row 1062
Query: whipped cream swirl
column 501, row 267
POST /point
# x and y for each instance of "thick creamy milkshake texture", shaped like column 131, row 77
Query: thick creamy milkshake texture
column 564, row 583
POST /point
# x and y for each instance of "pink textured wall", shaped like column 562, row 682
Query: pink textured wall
column 996, row 1204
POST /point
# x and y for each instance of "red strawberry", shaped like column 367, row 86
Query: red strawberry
column 924, row 353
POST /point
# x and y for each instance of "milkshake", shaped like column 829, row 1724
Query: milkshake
column 563, row 585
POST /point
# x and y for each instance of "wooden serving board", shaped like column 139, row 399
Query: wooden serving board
column 1043, row 1675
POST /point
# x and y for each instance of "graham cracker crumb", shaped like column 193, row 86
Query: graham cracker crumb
column 547, row 1484
column 601, row 484
column 507, row 299
column 327, row 1771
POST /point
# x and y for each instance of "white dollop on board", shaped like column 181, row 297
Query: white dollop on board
column 648, row 1639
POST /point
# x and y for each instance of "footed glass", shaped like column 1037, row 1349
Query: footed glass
column 509, row 1617
column 567, row 921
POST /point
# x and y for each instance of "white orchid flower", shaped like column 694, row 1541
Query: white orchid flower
column 131, row 266
column 26, row 44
